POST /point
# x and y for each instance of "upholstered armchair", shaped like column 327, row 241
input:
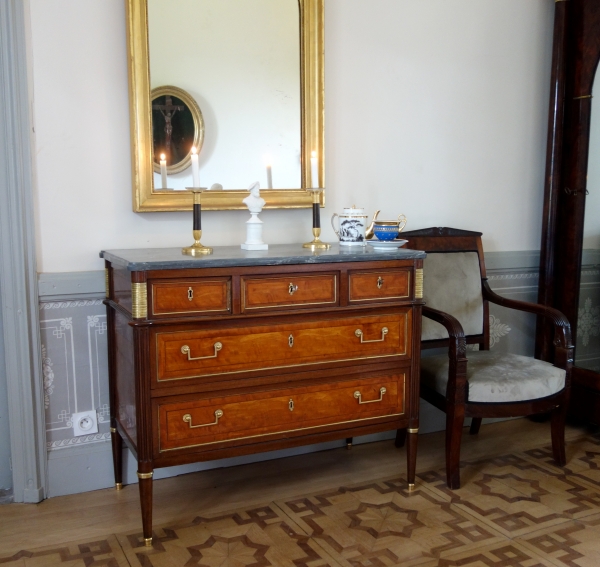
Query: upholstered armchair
column 481, row 383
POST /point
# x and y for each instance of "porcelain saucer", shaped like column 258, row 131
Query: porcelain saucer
column 386, row 244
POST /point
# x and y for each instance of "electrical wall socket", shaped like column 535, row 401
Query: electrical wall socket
column 85, row 423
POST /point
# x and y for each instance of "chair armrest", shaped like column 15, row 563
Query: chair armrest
column 457, row 369
column 562, row 327
column 563, row 351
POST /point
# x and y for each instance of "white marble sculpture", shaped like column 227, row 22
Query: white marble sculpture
column 254, row 225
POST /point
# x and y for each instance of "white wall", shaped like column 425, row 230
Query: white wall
column 436, row 109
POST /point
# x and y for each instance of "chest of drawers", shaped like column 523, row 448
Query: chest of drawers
column 241, row 352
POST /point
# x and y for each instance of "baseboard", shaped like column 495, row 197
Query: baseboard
column 82, row 469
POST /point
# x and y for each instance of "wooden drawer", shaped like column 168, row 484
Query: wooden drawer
column 214, row 420
column 380, row 285
column 193, row 354
column 289, row 291
column 193, row 297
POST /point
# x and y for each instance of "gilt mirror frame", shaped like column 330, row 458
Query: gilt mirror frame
column 146, row 198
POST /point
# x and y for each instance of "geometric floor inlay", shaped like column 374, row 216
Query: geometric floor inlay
column 515, row 510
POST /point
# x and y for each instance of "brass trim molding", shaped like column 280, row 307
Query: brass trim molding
column 245, row 281
column 583, row 97
column 312, row 80
column 139, row 300
column 194, row 282
column 386, row 298
column 161, row 450
column 113, row 429
column 298, row 365
column 419, row 283
column 145, row 476
column 107, row 282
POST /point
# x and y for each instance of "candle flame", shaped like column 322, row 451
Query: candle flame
column 194, row 150
column 313, row 154
column 163, row 157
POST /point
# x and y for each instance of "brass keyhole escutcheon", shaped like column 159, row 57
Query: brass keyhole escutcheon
column 291, row 341
column 379, row 282
column 291, row 404
column 292, row 289
column 190, row 293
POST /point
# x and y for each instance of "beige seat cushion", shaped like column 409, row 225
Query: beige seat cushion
column 452, row 283
column 497, row 377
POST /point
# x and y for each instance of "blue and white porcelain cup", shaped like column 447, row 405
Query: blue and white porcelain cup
column 351, row 228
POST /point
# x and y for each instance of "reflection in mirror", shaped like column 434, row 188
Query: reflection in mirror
column 240, row 62
column 177, row 128
column 587, row 351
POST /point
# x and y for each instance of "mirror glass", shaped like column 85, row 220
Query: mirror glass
column 240, row 62
column 587, row 341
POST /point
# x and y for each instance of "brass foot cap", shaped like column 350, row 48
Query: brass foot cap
column 148, row 541
column 411, row 486
column 348, row 445
column 119, row 486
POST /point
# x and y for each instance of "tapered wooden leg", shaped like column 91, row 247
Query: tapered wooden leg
column 117, row 453
column 455, row 418
column 475, row 425
column 146, row 504
column 559, row 416
column 411, row 456
column 400, row 437
column 349, row 442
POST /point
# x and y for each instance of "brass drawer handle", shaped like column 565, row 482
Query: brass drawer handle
column 379, row 282
column 218, row 414
column 190, row 293
column 292, row 289
column 186, row 350
column 359, row 334
column 358, row 396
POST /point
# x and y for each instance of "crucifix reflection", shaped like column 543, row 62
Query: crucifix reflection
column 173, row 129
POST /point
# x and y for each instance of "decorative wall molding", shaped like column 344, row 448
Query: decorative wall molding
column 17, row 262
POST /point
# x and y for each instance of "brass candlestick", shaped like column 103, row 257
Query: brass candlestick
column 197, row 249
column 316, row 243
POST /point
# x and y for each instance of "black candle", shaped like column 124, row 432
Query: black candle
column 316, row 216
column 197, row 217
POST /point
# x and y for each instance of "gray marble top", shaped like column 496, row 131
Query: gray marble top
column 143, row 259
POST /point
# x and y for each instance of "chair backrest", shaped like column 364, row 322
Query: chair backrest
column 452, row 282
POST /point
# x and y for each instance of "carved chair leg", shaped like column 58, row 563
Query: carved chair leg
column 117, row 453
column 400, row 438
column 455, row 418
column 558, row 418
column 475, row 425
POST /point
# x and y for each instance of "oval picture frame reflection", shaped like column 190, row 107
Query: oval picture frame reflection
column 177, row 125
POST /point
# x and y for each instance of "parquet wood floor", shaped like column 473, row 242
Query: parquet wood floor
column 340, row 508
